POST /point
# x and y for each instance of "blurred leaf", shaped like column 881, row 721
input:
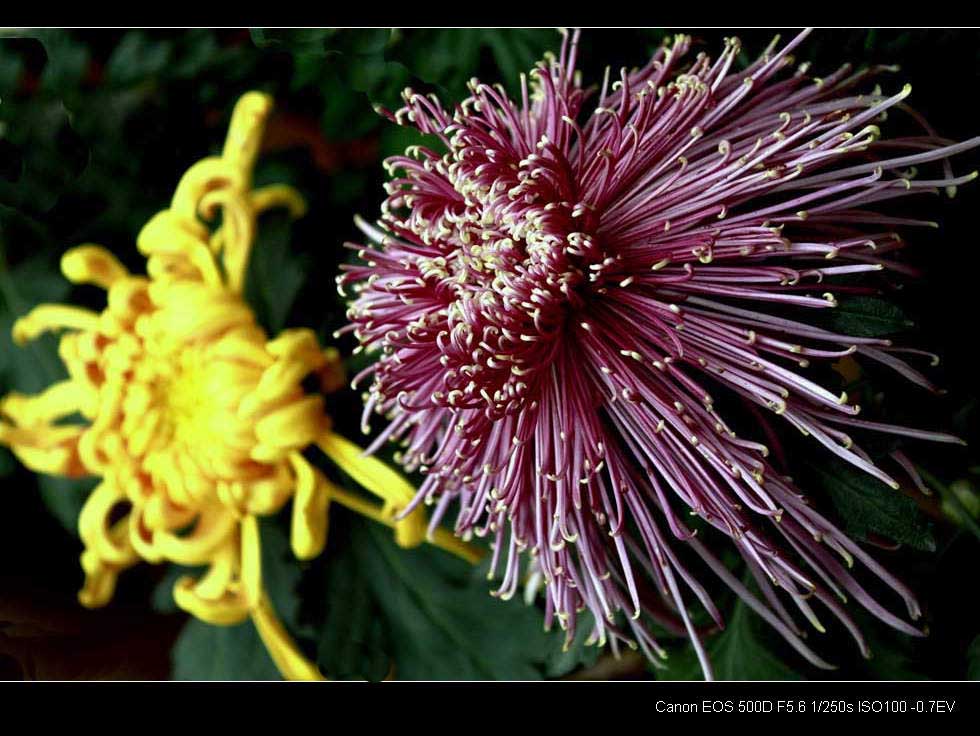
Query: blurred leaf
column 297, row 40
column 868, row 506
column 396, row 138
column 68, row 60
column 206, row 652
column 65, row 497
column 196, row 50
column 450, row 57
column 137, row 58
column 275, row 274
column 11, row 69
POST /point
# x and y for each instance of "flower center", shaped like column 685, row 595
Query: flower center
column 188, row 401
column 180, row 417
column 519, row 263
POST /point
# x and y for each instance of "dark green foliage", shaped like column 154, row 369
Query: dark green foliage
column 205, row 652
column 420, row 607
column 864, row 316
column 868, row 506
column 740, row 652
column 275, row 274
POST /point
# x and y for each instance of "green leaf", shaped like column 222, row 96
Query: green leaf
column 561, row 660
column 868, row 506
column 739, row 652
column 65, row 497
column 353, row 644
column 865, row 316
column 441, row 623
column 206, row 652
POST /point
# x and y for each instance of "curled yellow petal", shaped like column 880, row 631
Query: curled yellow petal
column 266, row 495
column 221, row 572
column 110, row 540
column 278, row 195
column 203, row 317
column 240, row 346
column 92, row 264
column 236, row 235
column 246, row 129
column 56, row 401
column 228, row 609
column 141, row 538
column 49, row 317
column 369, row 472
column 100, row 581
column 166, row 234
column 204, row 176
column 295, row 425
column 129, row 297
column 295, row 343
column 212, row 528
column 308, row 534
column 280, row 379
column 52, row 450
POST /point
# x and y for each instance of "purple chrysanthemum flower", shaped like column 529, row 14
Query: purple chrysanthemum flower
column 556, row 298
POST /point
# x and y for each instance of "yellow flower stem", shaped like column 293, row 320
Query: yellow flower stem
column 446, row 540
column 442, row 538
column 280, row 645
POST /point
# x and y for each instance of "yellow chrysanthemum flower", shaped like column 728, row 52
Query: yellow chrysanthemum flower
column 196, row 421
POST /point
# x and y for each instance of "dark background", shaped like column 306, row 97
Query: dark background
column 96, row 127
